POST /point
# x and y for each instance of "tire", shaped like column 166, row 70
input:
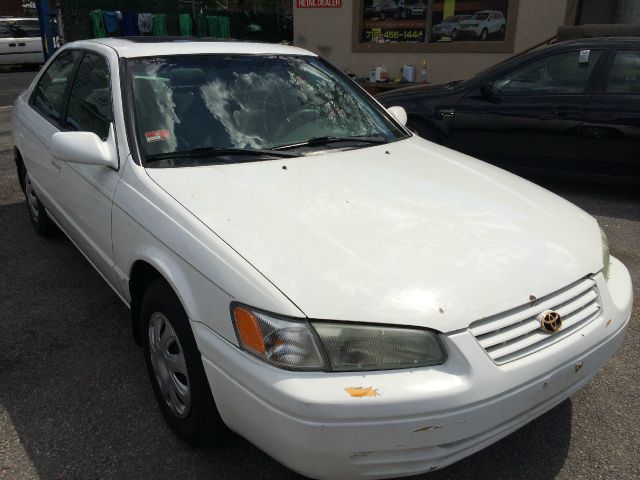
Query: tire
column 175, row 367
column 502, row 30
column 484, row 34
column 40, row 220
column 454, row 35
column 422, row 129
column 383, row 15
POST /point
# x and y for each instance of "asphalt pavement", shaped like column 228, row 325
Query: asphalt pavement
column 75, row 402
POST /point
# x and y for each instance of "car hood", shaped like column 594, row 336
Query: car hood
column 406, row 233
column 438, row 89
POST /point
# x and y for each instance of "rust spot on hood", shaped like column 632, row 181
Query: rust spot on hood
column 362, row 391
column 608, row 323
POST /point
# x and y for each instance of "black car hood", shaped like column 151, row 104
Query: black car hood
column 428, row 89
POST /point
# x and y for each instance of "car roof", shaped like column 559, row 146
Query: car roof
column 130, row 47
column 608, row 42
column 16, row 19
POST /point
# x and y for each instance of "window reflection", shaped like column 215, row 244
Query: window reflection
column 194, row 101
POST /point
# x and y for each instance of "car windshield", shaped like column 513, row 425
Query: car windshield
column 202, row 103
column 479, row 16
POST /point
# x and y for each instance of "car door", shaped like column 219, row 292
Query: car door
column 28, row 40
column 42, row 117
column 8, row 44
column 610, row 134
column 86, row 201
column 531, row 116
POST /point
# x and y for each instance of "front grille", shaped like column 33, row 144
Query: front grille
column 516, row 333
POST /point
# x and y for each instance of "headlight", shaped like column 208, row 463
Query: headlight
column 332, row 346
column 605, row 254
column 353, row 347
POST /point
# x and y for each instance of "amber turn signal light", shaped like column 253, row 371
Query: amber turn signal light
column 249, row 330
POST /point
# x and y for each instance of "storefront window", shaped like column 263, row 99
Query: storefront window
column 481, row 25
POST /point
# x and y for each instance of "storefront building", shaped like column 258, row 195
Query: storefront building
column 456, row 38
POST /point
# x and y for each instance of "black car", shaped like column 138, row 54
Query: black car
column 572, row 106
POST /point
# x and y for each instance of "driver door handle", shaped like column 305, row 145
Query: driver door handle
column 560, row 110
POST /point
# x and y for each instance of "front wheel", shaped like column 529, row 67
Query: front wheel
column 484, row 34
column 502, row 30
column 175, row 367
column 40, row 220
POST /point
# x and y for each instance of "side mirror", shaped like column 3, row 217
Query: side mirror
column 399, row 113
column 487, row 91
column 85, row 148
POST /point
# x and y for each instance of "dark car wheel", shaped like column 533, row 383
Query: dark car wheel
column 175, row 367
column 454, row 34
column 424, row 130
column 484, row 34
column 40, row 220
column 502, row 30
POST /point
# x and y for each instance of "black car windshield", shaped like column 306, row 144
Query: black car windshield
column 209, row 103
column 479, row 16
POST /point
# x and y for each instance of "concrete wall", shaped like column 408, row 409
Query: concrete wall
column 328, row 32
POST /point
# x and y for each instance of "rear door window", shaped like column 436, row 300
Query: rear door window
column 564, row 73
column 90, row 98
column 624, row 76
column 48, row 96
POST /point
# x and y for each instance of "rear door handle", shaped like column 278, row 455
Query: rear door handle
column 22, row 44
column 12, row 44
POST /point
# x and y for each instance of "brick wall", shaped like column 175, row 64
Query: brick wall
column 11, row 8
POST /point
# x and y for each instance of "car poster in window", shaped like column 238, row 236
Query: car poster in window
column 468, row 20
column 394, row 21
column 418, row 21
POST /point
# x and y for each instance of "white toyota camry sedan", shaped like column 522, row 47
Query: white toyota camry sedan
column 354, row 300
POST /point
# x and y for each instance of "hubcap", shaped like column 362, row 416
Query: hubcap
column 169, row 365
column 32, row 199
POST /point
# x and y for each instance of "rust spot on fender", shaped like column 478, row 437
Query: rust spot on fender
column 441, row 310
column 427, row 428
column 608, row 323
column 362, row 391
column 532, row 298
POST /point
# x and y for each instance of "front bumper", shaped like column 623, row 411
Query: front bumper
column 414, row 420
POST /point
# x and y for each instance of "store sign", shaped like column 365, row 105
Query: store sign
column 319, row 3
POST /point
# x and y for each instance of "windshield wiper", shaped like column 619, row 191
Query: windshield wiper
column 218, row 151
column 318, row 141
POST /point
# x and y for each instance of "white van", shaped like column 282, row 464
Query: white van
column 20, row 41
